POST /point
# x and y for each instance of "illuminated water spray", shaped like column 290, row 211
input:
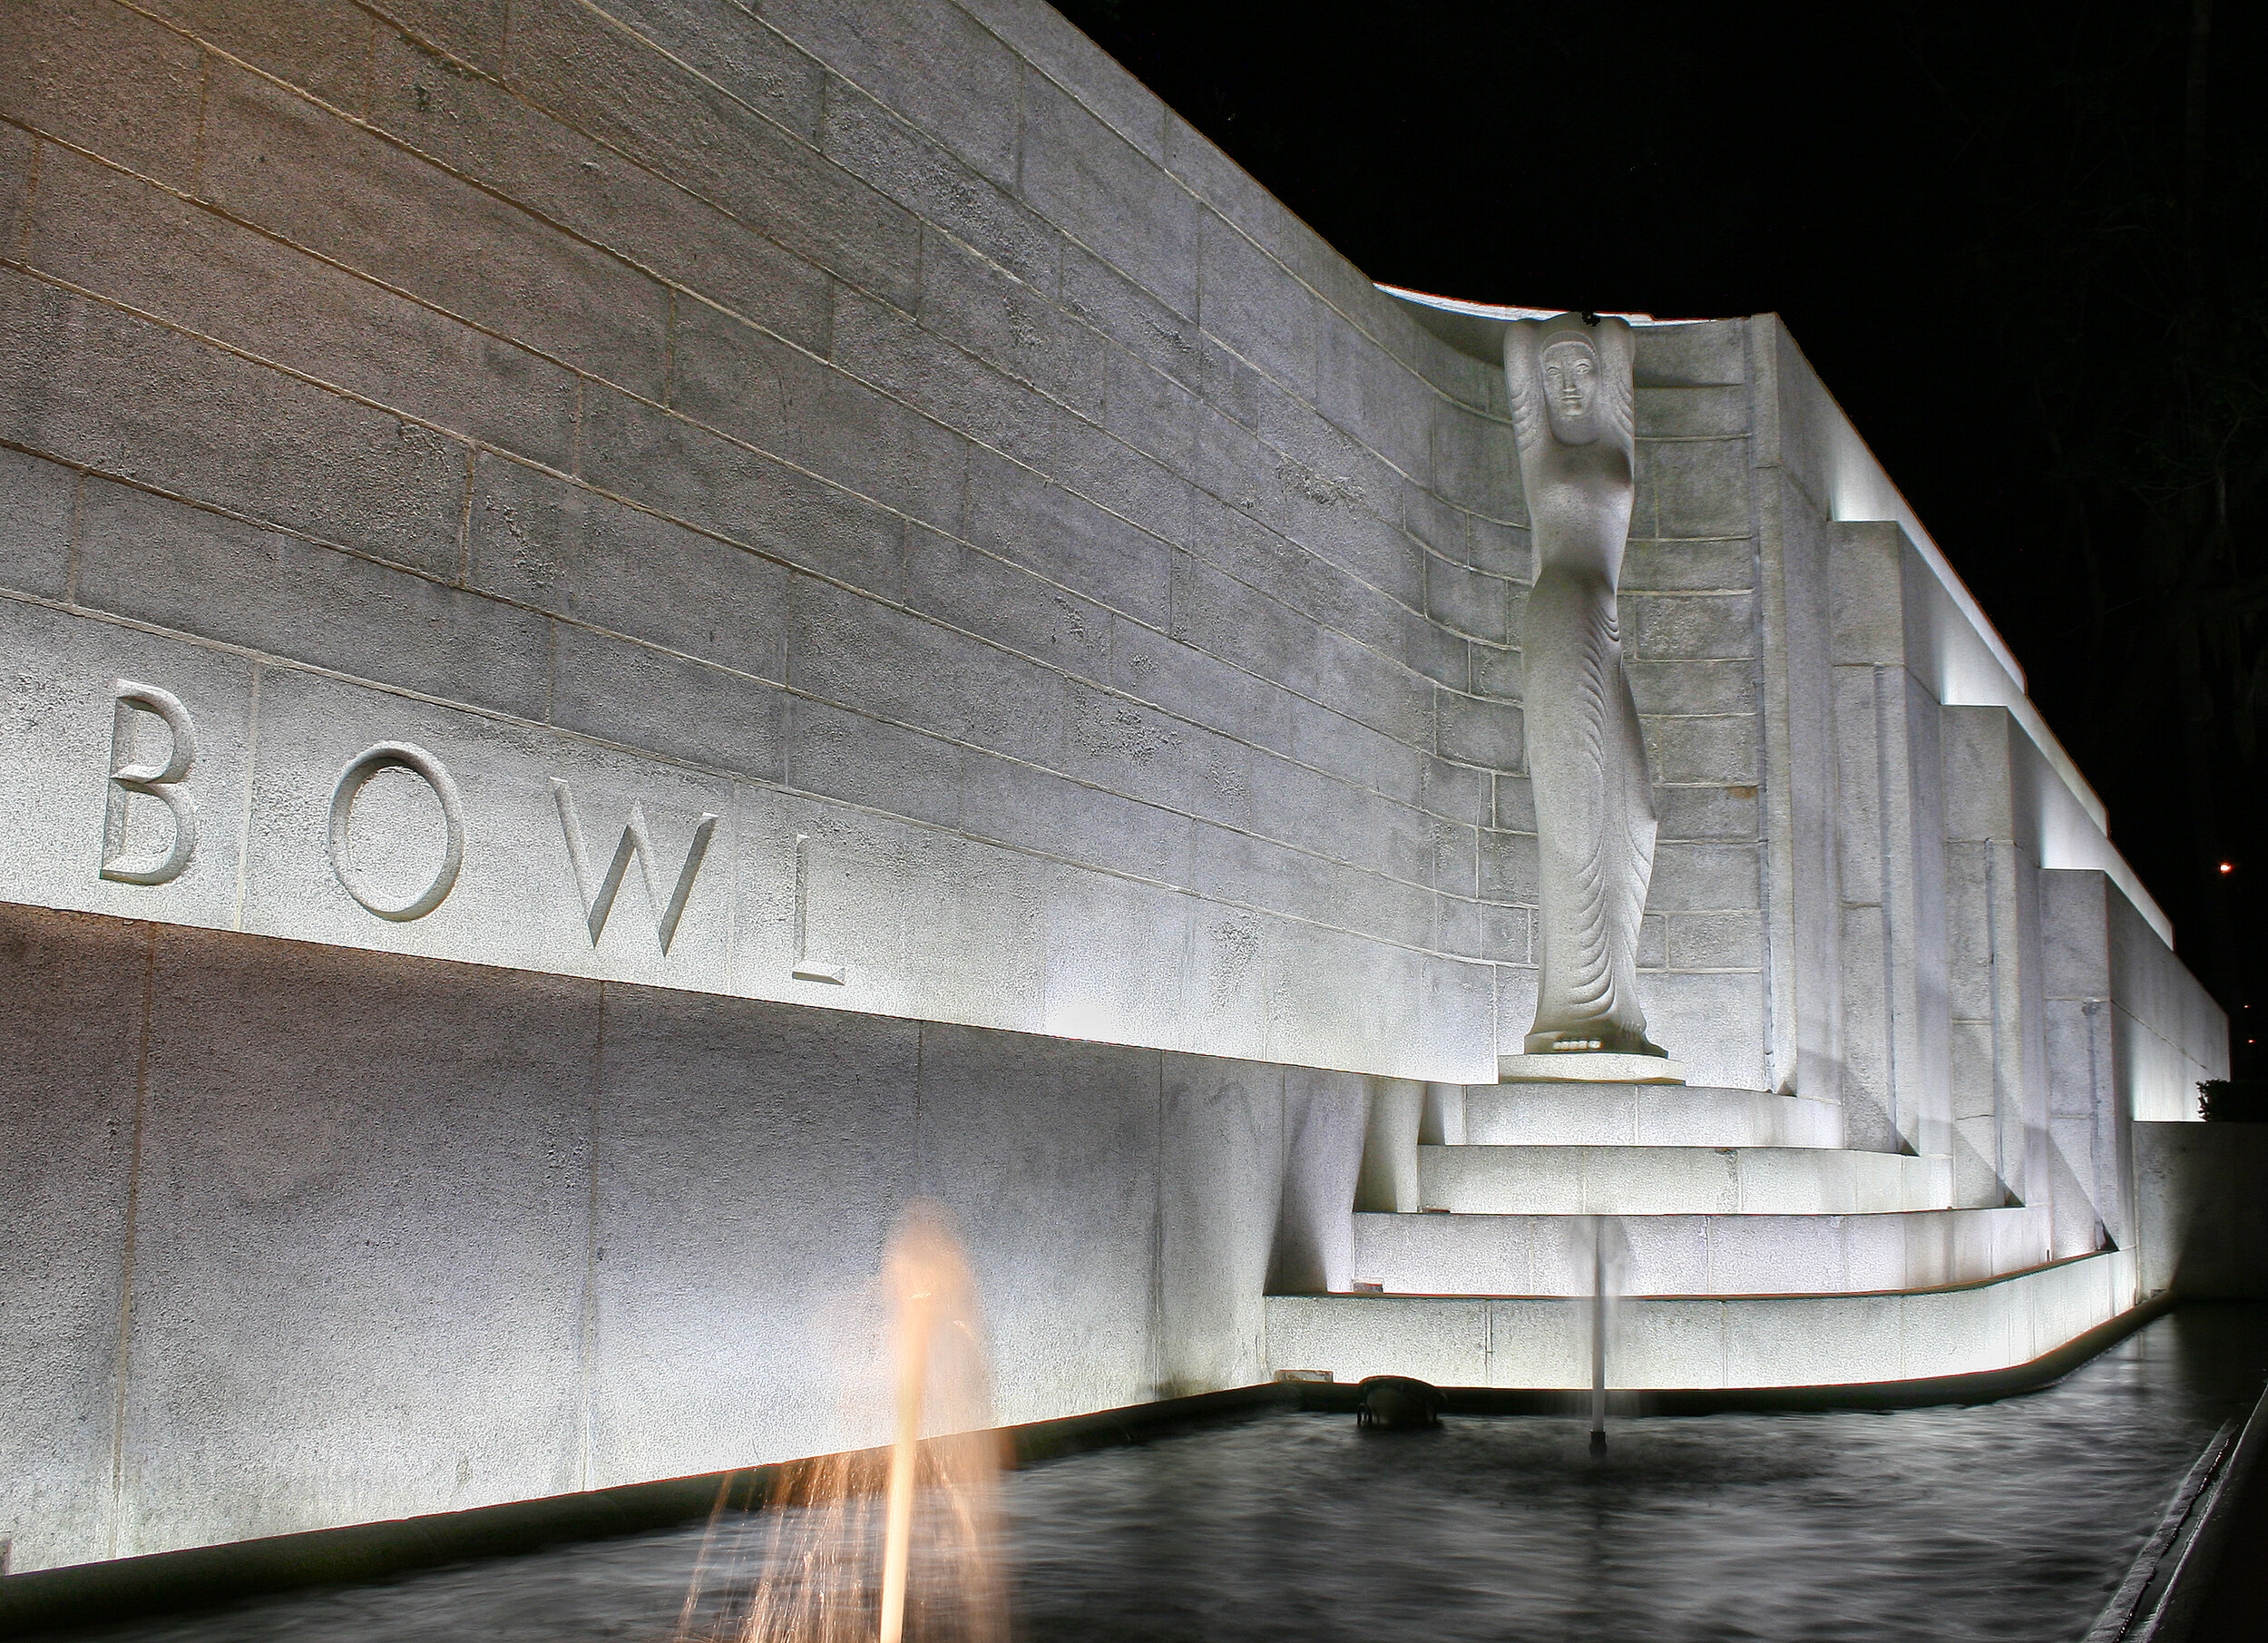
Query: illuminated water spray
column 941, row 1374
column 863, row 1548
column 1609, row 1246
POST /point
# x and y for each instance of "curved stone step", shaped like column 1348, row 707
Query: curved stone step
column 1704, row 1341
column 1687, row 1254
column 1589, row 1067
column 1678, row 1180
column 1645, row 1115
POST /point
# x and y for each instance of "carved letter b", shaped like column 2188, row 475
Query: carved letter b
column 161, row 781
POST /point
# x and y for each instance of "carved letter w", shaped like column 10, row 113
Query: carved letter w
column 598, row 899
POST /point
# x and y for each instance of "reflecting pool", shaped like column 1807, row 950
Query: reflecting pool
column 2007, row 1521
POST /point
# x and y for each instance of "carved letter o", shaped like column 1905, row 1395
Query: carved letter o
column 391, row 756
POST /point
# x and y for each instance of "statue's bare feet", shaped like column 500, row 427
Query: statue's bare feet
column 1607, row 1040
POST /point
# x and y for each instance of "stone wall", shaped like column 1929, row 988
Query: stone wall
column 988, row 563
column 2204, row 1223
column 299, row 1235
column 881, row 424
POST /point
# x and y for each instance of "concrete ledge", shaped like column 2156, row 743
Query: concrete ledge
column 2212, row 1594
column 1588, row 1067
column 1700, row 1254
column 2165, row 1591
column 1645, row 1115
column 1981, row 1387
column 1704, row 1343
column 1678, row 1180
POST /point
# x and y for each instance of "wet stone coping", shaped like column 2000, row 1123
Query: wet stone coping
column 2183, row 1572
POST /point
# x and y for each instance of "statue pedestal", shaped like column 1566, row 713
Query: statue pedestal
column 1588, row 1067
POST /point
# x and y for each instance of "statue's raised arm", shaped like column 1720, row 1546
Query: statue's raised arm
column 1570, row 378
column 1573, row 411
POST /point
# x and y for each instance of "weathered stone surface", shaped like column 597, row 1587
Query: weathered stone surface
column 70, row 1065
column 540, row 541
column 1477, row 732
column 1086, row 178
column 686, row 473
column 473, row 30
column 87, row 384
column 323, row 47
column 898, row 161
column 636, row 696
column 107, row 232
column 1720, row 748
column 927, row 59
column 366, row 1179
column 740, row 51
column 479, row 128
column 862, row 760
column 999, row 316
column 1245, row 294
column 593, row 74
column 1123, row 310
column 294, row 170
column 697, row 1112
column 1039, row 34
column 108, row 80
column 1022, row 516
column 36, row 499
column 180, row 568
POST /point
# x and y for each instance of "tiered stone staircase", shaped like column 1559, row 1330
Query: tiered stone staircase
column 1758, row 1251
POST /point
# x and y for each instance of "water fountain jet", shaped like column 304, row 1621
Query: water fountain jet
column 1398, row 1401
column 924, row 1566
column 1608, row 1247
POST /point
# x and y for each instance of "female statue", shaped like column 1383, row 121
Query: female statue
column 1570, row 379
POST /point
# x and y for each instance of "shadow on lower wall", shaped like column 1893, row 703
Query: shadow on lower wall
column 87, row 1593
column 2202, row 1216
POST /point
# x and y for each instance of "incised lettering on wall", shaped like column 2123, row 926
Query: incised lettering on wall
column 166, row 781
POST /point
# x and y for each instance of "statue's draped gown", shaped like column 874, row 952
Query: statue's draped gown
column 1572, row 405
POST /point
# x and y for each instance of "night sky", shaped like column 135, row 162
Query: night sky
column 2023, row 244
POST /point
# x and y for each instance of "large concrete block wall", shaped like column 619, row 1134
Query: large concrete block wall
column 298, row 1236
column 1978, row 972
column 890, row 406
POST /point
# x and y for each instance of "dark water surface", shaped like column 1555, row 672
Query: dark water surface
column 2009, row 1520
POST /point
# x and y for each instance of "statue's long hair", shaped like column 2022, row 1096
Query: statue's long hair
column 1615, row 344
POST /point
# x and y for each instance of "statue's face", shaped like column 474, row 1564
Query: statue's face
column 1570, row 390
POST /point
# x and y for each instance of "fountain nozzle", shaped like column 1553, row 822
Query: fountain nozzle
column 1399, row 1402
